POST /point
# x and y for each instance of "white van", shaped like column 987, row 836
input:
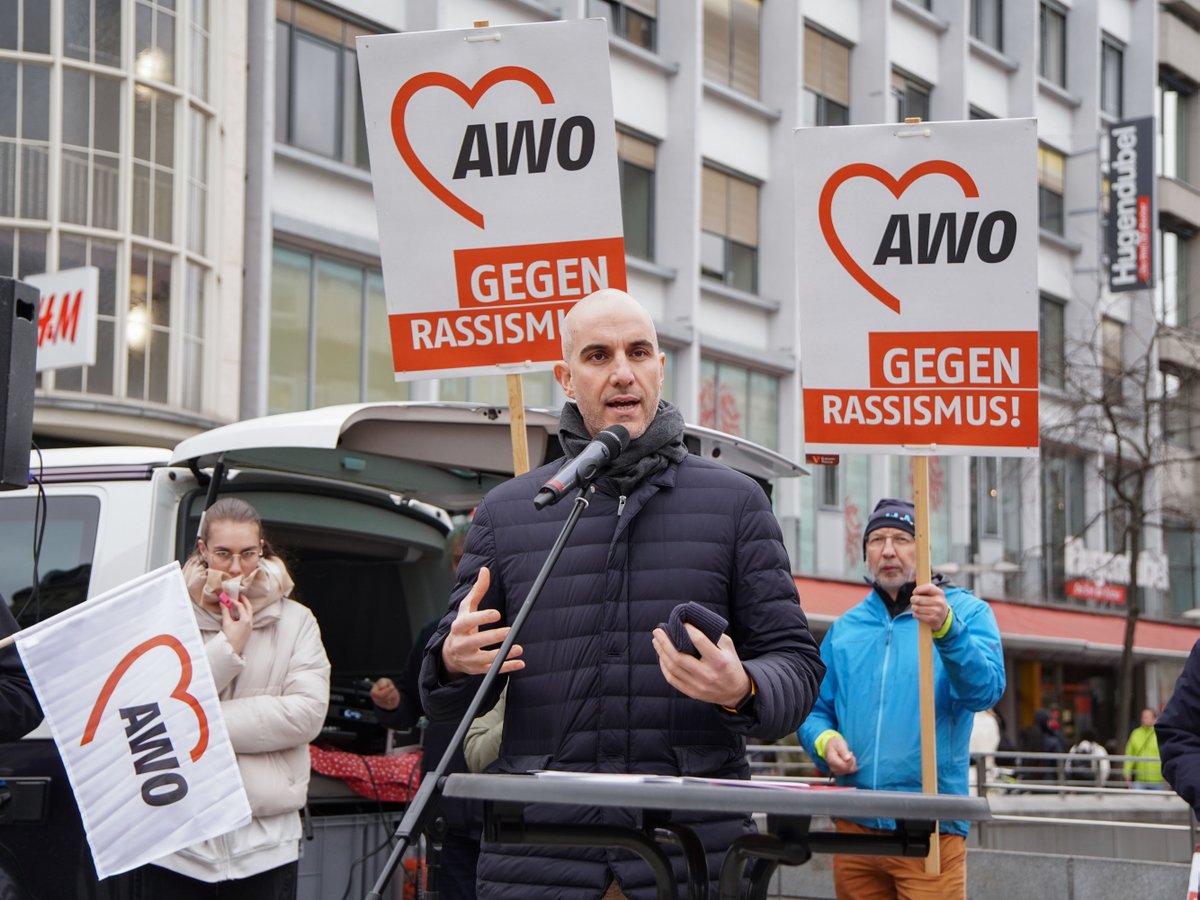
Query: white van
column 358, row 498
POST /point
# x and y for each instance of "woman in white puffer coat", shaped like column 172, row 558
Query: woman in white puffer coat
column 272, row 675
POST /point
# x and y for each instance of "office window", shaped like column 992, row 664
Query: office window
column 91, row 137
column 830, row 483
column 1112, row 361
column 200, row 35
column 153, row 163
column 147, row 325
column 1174, row 100
column 634, row 20
column 1116, row 513
column 25, row 26
column 1063, row 513
column 1052, row 167
column 91, row 29
column 731, row 43
column 73, row 252
column 22, row 252
column 1051, row 342
column 197, row 182
column 1112, row 77
column 985, row 477
column 24, row 140
column 194, row 303
column 739, row 401
column 826, row 79
column 154, row 40
column 987, row 22
column 910, row 98
column 318, row 104
column 729, row 239
column 996, row 502
column 1183, row 550
column 1178, row 397
column 1052, row 62
column 1171, row 292
column 635, row 166
column 329, row 336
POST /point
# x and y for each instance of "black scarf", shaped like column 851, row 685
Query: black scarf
column 659, row 445
column 903, row 599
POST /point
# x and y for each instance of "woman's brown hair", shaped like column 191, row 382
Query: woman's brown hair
column 231, row 509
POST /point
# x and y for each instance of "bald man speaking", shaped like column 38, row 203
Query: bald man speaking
column 594, row 683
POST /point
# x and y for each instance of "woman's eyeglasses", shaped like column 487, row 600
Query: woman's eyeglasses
column 246, row 556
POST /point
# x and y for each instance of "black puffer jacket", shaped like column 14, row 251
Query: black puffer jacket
column 591, row 697
column 1178, row 731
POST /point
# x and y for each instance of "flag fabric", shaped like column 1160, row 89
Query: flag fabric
column 124, row 682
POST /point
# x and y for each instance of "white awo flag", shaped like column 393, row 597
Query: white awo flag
column 130, row 700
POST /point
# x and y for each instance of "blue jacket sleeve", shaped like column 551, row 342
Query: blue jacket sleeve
column 971, row 654
column 1178, row 730
column 822, row 718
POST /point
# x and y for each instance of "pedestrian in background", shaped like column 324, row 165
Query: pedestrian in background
column 1089, row 760
column 1144, row 774
column 865, row 728
column 1042, row 736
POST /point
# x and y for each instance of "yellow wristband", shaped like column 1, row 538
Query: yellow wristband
column 823, row 739
column 944, row 630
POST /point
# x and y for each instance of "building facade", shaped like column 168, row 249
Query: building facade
column 210, row 158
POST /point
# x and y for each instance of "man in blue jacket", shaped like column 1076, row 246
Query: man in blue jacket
column 865, row 727
column 593, row 684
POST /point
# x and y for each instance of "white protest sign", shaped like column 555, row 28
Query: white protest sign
column 67, row 317
column 917, row 254
column 493, row 155
column 125, row 685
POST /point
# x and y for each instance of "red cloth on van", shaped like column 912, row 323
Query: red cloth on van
column 388, row 778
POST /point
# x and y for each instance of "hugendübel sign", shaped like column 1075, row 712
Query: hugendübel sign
column 1130, row 205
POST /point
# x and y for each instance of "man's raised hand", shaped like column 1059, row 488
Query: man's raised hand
column 469, row 651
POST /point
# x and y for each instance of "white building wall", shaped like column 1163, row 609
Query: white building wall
column 664, row 95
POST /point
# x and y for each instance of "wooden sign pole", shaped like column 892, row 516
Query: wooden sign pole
column 929, row 783
column 516, row 424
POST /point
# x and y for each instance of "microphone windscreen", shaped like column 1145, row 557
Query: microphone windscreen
column 621, row 434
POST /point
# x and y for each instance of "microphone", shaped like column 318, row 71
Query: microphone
column 581, row 471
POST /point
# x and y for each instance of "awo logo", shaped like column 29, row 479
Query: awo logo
column 150, row 746
column 931, row 238
column 495, row 149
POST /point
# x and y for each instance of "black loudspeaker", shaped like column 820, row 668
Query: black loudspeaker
column 18, row 355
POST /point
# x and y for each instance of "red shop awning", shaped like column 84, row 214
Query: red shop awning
column 1026, row 626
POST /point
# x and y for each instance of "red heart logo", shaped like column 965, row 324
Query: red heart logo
column 180, row 691
column 469, row 94
column 897, row 187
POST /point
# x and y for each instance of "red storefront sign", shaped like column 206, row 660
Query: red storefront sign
column 1080, row 589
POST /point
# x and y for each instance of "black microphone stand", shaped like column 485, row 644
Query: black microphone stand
column 416, row 817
